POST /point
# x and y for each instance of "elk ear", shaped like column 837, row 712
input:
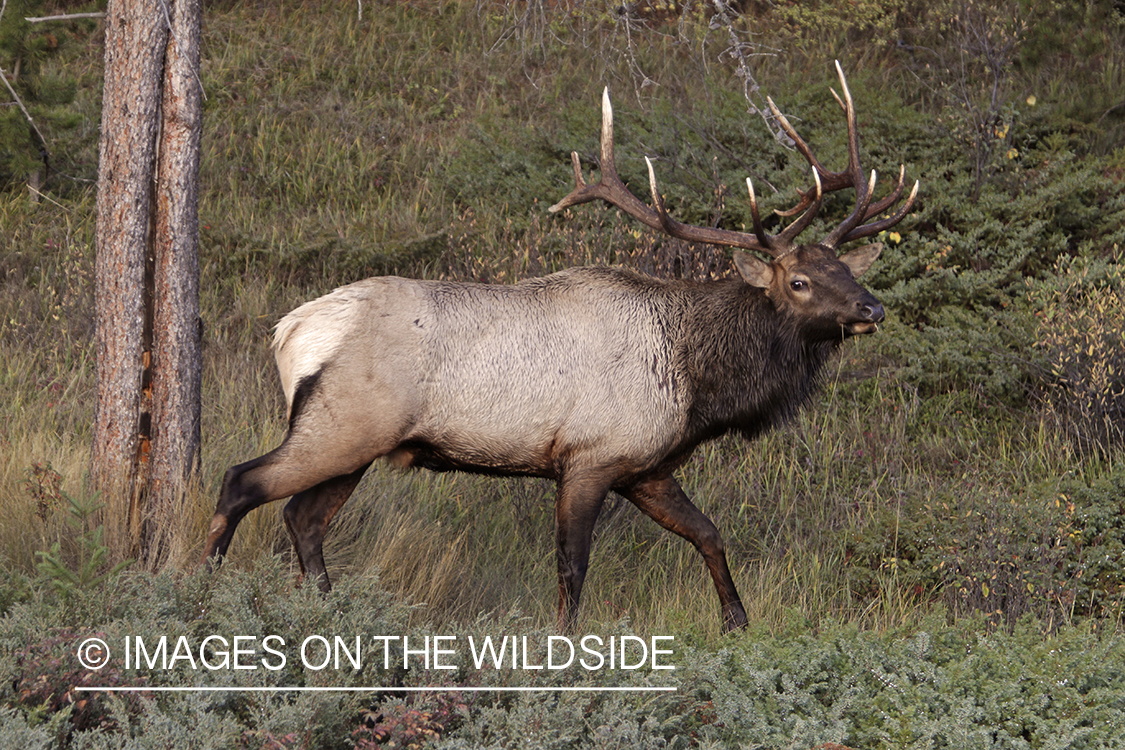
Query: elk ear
column 860, row 259
column 754, row 270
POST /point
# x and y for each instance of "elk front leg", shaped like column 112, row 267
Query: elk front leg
column 664, row 501
column 576, row 509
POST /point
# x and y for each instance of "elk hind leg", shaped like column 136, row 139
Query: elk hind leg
column 240, row 494
column 298, row 464
column 307, row 516
column 664, row 501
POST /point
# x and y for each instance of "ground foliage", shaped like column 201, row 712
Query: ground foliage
column 930, row 685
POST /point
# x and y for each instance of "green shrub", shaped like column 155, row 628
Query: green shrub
column 933, row 687
column 959, row 282
column 936, row 686
column 83, row 565
column 1054, row 550
column 45, row 91
column 1092, row 578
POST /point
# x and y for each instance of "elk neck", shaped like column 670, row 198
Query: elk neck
column 752, row 366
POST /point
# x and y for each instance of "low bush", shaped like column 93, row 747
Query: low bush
column 1082, row 336
column 40, row 636
column 936, row 686
column 1054, row 551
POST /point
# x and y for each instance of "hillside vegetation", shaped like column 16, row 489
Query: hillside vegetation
column 941, row 529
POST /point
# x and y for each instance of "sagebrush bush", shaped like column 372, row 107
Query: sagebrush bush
column 936, row 686
column 39, row 636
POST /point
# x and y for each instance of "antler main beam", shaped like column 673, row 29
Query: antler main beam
column 611, row 189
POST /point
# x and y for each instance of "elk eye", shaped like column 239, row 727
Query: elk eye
column 798, row 285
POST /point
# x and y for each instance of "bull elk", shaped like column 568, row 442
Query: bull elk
column 598, row 378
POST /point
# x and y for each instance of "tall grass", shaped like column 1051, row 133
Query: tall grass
column 336, row 148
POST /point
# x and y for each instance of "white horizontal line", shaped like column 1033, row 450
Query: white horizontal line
column 433, row 689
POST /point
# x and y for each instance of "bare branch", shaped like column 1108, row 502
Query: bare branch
column 23, row 109
column 65, row 17
column 741, row 51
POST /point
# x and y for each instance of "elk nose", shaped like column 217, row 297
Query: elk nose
column 872, row 312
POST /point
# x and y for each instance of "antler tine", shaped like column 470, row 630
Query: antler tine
column 855, row 170
column 773, row 245
column 610, row 189
column 852, row 227
column 790, row 232
column 607, row 133
column 798, row 141
column 837, row 96
column 829, row 181
column 890, row 198
column 874, row 209
column 864, row 192
column 759, row 232
column 878, row 226
column 782, row 243
column 579, row 180
column 853, row 128
column 667, row 223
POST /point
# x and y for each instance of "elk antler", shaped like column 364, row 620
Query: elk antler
column 610, row 189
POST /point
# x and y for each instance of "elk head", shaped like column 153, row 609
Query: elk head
column 806, row 281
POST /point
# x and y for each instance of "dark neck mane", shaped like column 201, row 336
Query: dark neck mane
column 751, row 366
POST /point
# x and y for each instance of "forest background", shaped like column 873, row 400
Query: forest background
column 932, row 554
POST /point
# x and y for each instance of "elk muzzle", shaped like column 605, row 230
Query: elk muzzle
column 869, row 314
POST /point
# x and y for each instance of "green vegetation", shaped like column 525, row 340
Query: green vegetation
column 39, row 94
column 933, row 553
column 931, row 685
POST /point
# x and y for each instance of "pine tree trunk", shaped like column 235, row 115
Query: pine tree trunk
column 135, row 41
column 177, row 363
column 147, row 413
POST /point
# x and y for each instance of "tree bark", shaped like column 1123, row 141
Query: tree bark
column 134, row 44
column 147, row 413
column 177, row 335
column 176, row 344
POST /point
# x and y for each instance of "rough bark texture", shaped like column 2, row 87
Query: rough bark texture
column 146, row 431
column 135, row 31
column 177, row 337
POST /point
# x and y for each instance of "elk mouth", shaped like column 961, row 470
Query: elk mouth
column 861, row 327
column 869, row 314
